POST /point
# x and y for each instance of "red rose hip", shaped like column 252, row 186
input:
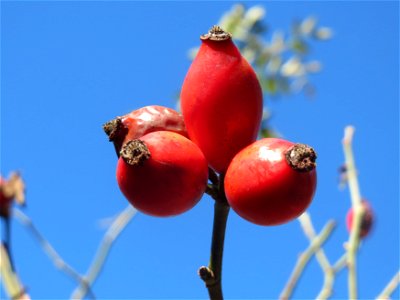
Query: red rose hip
column 221, row 100
column 367, row 219
column 162, row 174
column 271, row 181
column 5, row 198
column 142, row 121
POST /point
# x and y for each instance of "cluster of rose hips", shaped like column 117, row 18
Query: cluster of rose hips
column 165, row 157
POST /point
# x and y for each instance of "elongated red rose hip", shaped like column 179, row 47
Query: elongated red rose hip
column 142, row 121
column 221, row 100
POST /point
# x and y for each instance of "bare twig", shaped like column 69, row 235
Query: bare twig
column 11, row 282
column 304, row 259
column 50, row 251
column 309, row 231
column 110, row 236
column 340, row 263
column 327, row 287
column 329, row 274
column 390, row 287
column 355, row 194
column 329, row 279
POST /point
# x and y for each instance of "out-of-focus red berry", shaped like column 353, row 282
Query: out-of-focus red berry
column 366, row 221
column 5, row 199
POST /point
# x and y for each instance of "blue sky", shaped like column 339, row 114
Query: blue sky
column 67, row 67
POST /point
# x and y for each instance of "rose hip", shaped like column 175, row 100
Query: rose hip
column 221, row 100
column 271, row 181
column 142, row 121
column 162, row 173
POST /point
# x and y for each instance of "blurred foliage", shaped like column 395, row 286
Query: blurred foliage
column 282, row 62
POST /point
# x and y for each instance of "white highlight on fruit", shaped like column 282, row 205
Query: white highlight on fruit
column 267, row 154
column 146, row 116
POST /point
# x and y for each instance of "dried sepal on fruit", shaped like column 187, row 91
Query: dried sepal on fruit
column 142, row 121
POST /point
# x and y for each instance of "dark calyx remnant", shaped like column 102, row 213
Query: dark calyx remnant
column 216, row 33
column 366, row 222
column 112, row 128
column 301, row 158
column 135, row 153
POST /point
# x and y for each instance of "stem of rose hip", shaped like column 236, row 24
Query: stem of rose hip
column 212, row 275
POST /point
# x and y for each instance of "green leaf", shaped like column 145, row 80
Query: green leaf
column 323, row 33
column 270, row 85
column 232, row 19
column 308, row 25
column 266, row 132
column 299, row 46
column 293, row 67
column 193, row 52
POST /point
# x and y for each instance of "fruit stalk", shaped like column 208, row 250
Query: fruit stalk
column 212, row 275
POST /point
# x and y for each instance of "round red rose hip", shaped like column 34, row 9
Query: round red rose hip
column 162, row 173
column 271, row 181
column 366, row 221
